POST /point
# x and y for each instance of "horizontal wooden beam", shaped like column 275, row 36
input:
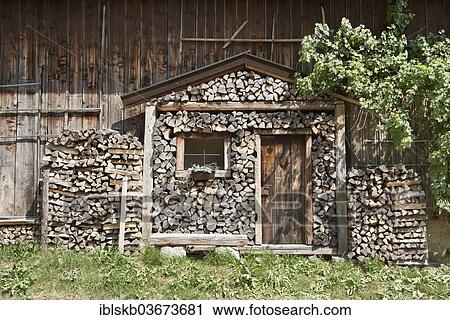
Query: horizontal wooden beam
column 9, row 221
column 292, row 249
column 257, row 40
column 345, row 98
column 314, row 105
column 301, row 131
column 187, row 239
column 17, row 85
column 48, row 111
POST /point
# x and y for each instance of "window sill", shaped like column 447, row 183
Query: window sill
column 218, row 174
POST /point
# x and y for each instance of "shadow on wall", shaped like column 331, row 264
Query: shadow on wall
column 439, row 238
column 135, row 125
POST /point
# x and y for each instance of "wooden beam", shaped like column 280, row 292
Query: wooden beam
column 123, row 214
column 45, row 209
column 291, row 249
column 341, row 178
column 150, row 120
column 345, row 98
column 193, row 239
column 48, row 111
column 292, row 132
column 12, row 221
column 258, row 198
column 309, row 219
column 313, row 105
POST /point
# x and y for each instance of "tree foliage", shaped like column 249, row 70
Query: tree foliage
column 405, row 82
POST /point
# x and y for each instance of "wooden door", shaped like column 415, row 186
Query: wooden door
column 283, row 189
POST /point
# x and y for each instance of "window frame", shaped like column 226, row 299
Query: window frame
column 181, row 171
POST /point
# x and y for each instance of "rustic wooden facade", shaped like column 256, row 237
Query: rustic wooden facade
column 63, row 64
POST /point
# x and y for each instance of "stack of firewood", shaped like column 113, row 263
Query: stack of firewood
column 237, row 87
column 86, row 173
column 387, row 210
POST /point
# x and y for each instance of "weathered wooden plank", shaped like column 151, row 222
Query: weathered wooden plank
column 188, row 30
column 185, row 239
column 408, row 206
column 341, row 175
column 45, row 209
column 8, row 100
column 13, row 220
column 123, row 214
column 25, row 179
column 258, row 207
column 150, row 119
column 308, row 190
column 174, row 37
column 160, row 40
column 284, row 23
column 291, row 249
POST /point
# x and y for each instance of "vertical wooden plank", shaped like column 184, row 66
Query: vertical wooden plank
column 271, row 18
column 296, row 197
column 147, row 43
column 219, row 28
column 241, row 17
column 8, row 100
column 284, row 32
column 267, row 187
column 75, row 64
column 57, row 61
column 44, row 214
column 230, row 25
column 435, row 15
column 258, row 209
column 123, row 214
column 418, row 24
column 296, row 32
column 308, row 189
column 337, row 12
column 188, row 27
column 256, row 26
column 367, row 13
column 379, row 16
column 447, row 16
column 150, row 119
column 341, row 178
column 160, row 40
column 353, row 12
column 25, row 181
column 200, row 32
column 92, row 28
column 174, row 37
column 116, row 48
column 311, row 14
column 210, row 31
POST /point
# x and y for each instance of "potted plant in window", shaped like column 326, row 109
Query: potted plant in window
column 202, row 173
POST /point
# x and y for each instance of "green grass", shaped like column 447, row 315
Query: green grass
column 27, row 272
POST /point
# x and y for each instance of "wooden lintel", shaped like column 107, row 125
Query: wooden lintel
column 249, row 106
column 292, row 249
column 345, row 98
column 186, row 239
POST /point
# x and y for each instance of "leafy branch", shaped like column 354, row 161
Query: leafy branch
column 405, row 82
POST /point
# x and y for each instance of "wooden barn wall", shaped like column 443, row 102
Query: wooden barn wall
column 85, row 53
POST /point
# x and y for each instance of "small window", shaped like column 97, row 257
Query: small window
column 204, row 152
column 203, row 149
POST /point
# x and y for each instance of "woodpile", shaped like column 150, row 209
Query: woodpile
column 387, row 212
column 227, row 205
column 237, row 86
column 15, row 234
column 86, row 171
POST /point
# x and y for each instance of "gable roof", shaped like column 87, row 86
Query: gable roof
column 239, row 62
